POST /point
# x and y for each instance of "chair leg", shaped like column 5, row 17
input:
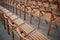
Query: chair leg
column 16, row 11
column 8, row 29
column 38, row 22
column 56, row 26
column 12, row 35
column 13, row 9
column 20, row 38
column 24, row 16
column 31, row 19
column 4, row 24
column 46, row 22
column 49, row 29
column 20, row 13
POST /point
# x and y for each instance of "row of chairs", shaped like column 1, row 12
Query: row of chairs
column 48, row 16
column 14, row 25
column 41, row 4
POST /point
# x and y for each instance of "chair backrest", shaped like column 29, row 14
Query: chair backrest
column 53, row 6
column 47, row 16
column 56, row 18
column 22, row 7
column 50, row 0
column 29, row 10
column 46, row 5
column 40, row 4
column 44, row 0
column 36, row 12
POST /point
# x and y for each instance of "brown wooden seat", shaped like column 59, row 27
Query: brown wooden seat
column 20, row 34
column 35, row 35
column 18, row 22
column 27, row 29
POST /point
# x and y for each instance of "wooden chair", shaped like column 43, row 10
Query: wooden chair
column 27, row 32
column 55, row 20
column 6, row 14
column 17, row 22
column 54, row 7
column 12, row 25
column 38, row 14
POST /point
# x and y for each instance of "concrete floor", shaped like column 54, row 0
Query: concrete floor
column 55, row 33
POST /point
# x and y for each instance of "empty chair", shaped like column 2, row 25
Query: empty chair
column 55, row 20
column 38, row 14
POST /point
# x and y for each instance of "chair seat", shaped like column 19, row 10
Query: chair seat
column 19, row 34
column 18, row 22
column 46, row 4
column 27, row 29
column 35, row 35
column 22, row 7
column 29, row 10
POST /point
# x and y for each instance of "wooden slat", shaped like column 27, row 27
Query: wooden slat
column 27, row 29
column 13, row 17
column 35, row 35
column 18, row 22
